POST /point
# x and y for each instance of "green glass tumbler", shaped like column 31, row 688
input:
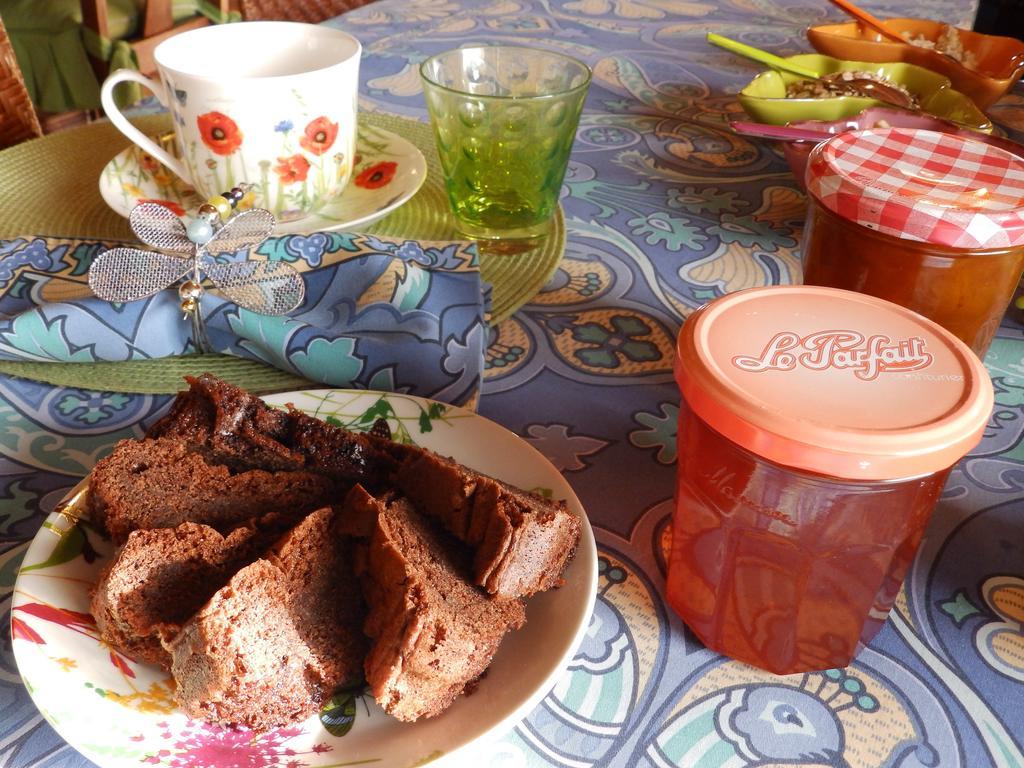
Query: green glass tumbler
column 504, row 120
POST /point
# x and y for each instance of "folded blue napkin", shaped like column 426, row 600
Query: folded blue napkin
column 406, row 316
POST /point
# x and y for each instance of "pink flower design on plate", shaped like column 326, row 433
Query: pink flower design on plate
column 202, row 745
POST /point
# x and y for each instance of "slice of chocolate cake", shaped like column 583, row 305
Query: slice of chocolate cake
column 239, row 429
column 434, row 633
column 273, row 645
column 159, row 578
column 355, row 457
column 235, row 427
column 164, row 482
column 522, row 542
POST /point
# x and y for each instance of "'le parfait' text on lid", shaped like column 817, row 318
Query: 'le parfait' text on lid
column 833, row 382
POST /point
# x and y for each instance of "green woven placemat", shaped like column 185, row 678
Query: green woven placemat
column 49, row 186
column 161, row 376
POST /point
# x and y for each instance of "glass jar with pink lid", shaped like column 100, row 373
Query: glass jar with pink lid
column 932, row 221
column 817, row 428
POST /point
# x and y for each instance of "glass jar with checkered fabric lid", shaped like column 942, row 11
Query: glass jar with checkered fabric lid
column 928, row 220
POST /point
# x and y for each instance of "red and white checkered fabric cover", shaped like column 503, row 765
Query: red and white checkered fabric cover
column 922, row 185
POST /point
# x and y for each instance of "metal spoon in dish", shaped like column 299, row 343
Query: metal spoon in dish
column 855, row 86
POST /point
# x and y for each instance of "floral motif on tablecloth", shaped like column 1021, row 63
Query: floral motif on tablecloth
column 657, row 430
column 1000, row 641
column 60, row 441
column 412, row 13
column 673, row 232
column 576, row 281
column 970, row 606
column 612, row 342
column 578, row 342
column 620, row 341
column 669, row 206
column 768, row 231
column 739, row 716
column 603, row 136
column 510, row 348
column 565, row 446
column 606, row 687
column 996, row 465
column 751, row 233
column 705, row 200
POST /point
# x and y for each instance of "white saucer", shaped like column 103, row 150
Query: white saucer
column 133, row 175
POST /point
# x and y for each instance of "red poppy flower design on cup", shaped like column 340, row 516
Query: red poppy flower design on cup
column 219, row 132
column 292, row 169
column 319, row 136
column 376, row 175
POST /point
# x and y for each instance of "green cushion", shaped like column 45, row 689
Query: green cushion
column 57, row 72
column 48, row 41
column 51, row 16
column 124, row 16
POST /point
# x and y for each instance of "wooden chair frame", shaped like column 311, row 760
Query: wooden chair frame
column 157, row 25
column 18, row 118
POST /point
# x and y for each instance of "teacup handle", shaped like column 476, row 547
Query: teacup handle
column 124, row 126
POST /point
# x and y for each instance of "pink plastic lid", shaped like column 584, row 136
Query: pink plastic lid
column 922, row 185
column 833, row 382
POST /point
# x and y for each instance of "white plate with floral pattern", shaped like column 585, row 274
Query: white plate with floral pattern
column 388, row 171
column 120, row 713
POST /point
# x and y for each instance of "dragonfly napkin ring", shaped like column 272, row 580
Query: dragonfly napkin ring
column 223, row 226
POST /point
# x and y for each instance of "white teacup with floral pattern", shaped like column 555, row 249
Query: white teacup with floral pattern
column 269, row 103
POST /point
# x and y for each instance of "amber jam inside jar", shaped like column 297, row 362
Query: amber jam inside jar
column 783, row 569
column 964, row 291
column 816, row 430
column 931, row 221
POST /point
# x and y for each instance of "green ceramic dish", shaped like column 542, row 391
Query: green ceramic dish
column 764, row 99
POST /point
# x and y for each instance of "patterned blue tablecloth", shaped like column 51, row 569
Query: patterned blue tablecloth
column 663, row 212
